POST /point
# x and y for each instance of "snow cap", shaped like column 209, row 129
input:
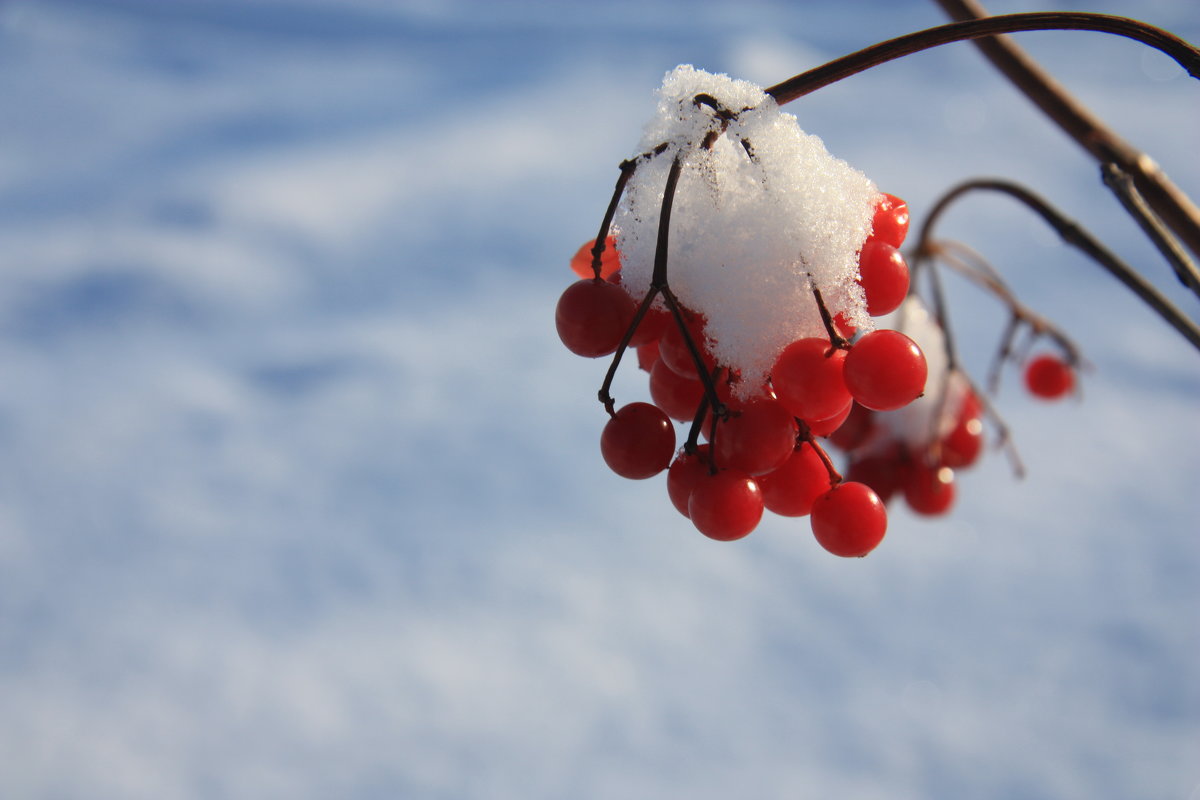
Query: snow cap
column 760, row 216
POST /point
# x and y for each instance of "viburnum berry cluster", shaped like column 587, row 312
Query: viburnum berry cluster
column 789, row 325
column 763, row 341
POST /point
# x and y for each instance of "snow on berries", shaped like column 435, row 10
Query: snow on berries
column 763, row 214
column 916, row 451
column 729, row 260
column 761, row 285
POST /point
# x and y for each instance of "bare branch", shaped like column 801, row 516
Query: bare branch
column 1170, row 203
column 1073, row 234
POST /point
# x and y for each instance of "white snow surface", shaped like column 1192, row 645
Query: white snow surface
column 760, row 217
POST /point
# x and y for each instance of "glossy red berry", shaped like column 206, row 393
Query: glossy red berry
column 807, row 378
column 1049, row 377
column 647, row 354
column 673, row 349
column 929, row 490
column 725, row 506
column 849, row 520
column 638, row 442
column 964, row 443
column 685, row 470
column 855, row 429
column 652, row 325
column 791, row 489
column 845, row 328
column 883, row 274
column 826, row 427
column 885, row 370
column 881, row 471
column 756, row 437
column 592, row 317
column 678, row 396
column 890, row 223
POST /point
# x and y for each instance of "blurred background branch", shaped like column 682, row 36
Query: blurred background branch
column 1176, row 209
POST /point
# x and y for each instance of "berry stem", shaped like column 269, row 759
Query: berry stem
column 658, row 278
column 973, row 266
column 693, row 438
column 605, row 397
column 804, row 434
column 658, row 284
column 627, row 167
column 627, row 170
column 676, row 309
column 838, row 341
column 1004, row 351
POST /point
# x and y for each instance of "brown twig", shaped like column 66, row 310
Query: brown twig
column 971, row 265
column 1073, row 234
column 804, row 434
column 658, row 286
column 1186, row 55
column 1175, row 208
column 1125, row 188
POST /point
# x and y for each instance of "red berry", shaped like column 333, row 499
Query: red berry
column 964, row 443
column 592, row 317
column 890, row 224
column 673, row 349
column 881, row 472
column 726, row 383
column 647, row 354
column 929, row 490
column 756, row 438
column 725, row 506
column 825, row 427
column 638, row 442
column 845, row 328
column 1049, row 377
column 610, row 259
column 883, row 274
column 682, row 475
column 791, row 489
column 849, row 520
column 678, row 396
column 855, row 429
column 652, row 326
column 808, row 380
column 885, row 370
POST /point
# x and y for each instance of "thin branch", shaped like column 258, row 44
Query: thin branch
column 1124, row 187
column 657, row 285
column 1073, row 234
column 804, row 434
column 793, row 88
column 971, row 265
column 627, row 170
column 837, row 341
column 1176, row 209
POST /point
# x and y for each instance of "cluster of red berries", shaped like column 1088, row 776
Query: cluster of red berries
column 761, row 449
column 923, row 470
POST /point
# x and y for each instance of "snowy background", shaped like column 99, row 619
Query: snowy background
column 300, row 496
